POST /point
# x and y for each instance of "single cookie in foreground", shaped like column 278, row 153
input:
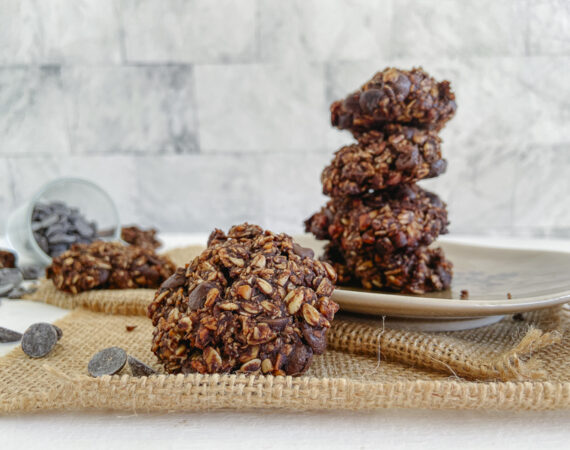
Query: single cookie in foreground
column 417, row 272
column 141, row 238
column 383, row 159
column 401, row 217
column 108, row 265
column 252, row 302
column 396, row 96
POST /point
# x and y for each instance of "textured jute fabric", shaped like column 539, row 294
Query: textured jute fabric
column 337, row 379
column 509, row 365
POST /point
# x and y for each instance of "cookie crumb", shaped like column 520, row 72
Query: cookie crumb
column 509, row 296
column 464, row 295
column 130, row 327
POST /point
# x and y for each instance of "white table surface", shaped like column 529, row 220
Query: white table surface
column 277, row 429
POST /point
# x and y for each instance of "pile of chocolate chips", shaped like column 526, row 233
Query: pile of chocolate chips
column 57, row 227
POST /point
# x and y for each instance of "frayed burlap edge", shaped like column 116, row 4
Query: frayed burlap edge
column 434, row 352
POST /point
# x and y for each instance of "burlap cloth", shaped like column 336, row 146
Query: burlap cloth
column 512, row 365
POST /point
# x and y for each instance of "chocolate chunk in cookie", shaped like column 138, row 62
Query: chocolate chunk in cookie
column 394, row 219
column 396, row 96
column 108, row 265
column 252, row 302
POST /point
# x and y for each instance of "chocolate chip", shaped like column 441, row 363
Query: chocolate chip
column 45, row 223
column 32, row 271
column 20, row 291
column 174, row 281
column 59, row 332
column 9, row 279
column 400, row 240
column 138, row 368
column 109, row 361
column 7, row 335
column 278, row 324
column 408, row 161
column 437, row 168
column 345, row 121
column 39, row 339
column 369, row 99
column 315, row 338
column 197, row 297
column 56, row 227
column 303, row 252
column 299, row 360
column 402, row 87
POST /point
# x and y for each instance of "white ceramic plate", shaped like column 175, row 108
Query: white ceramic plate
column 535, row 279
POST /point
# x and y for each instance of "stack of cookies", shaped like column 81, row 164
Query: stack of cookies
column 379, row 223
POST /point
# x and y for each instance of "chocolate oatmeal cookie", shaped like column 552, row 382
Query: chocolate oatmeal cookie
column 417, row 272
column 396, row 96
column 108, row 265
column 401, row 217
column 7, row 259
column 252, row 302
column 397, row 155
column 141, row 238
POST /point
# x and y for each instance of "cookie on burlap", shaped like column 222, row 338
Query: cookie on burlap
column 394, row 219
column 397, row 155
column 108, row 265
column 396, row 96
column 416, row 272
column 253, row 302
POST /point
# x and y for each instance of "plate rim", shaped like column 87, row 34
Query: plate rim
column 398, row 305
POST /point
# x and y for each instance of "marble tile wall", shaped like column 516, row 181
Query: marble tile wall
column 196, row 114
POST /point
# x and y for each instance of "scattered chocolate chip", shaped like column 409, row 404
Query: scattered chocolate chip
column 9, row 279
column 464, row 295
column 32, row 271
column 59, row 332
column 39, row 339
column 509, row 296
column 518, row 317
column 303, row 252
column 7, row 335
column 130, row 327
column 138, row 368
column 109, row 361
column 20, row 291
